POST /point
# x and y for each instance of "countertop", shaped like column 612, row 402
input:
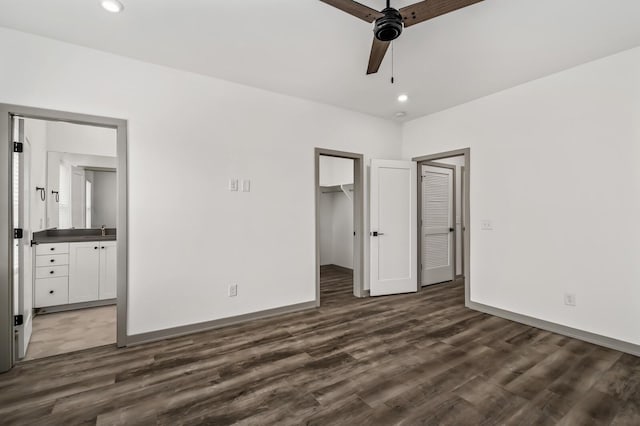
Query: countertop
column 73, row 235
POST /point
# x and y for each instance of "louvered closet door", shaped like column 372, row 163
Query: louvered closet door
column 437, row 224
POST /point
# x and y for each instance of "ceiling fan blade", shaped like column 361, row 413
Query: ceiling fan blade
column 356, row 9
column 424, row 10
column 378, row 51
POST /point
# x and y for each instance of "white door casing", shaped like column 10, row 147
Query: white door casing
column 23, row 267
column 437, row 224
column 393, row 227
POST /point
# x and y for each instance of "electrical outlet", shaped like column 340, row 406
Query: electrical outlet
column 486, row 225
column 233, row 184
column 570, row 299
column 233, row 290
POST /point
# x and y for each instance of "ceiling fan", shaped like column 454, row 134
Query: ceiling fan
column 389, row 22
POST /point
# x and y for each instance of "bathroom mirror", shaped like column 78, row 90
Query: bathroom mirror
column 81, row 191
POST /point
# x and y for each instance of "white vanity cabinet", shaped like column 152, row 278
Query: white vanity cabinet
column 78, row 272
column 84, row 271
column 51, row 278
column 108, row 270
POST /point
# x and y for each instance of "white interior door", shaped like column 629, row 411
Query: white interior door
column 23, row 268
column 437, row 224
column 393, row 227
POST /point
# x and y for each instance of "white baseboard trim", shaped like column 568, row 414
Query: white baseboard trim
column 597, row 339
column 153, row 336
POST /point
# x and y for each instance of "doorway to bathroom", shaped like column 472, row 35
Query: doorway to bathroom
column 67, row 263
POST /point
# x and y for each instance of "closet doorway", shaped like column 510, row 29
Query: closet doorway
column 339, row 225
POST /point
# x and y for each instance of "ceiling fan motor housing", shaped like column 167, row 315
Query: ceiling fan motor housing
column 389, row 27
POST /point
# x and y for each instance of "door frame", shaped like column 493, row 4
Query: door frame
column 358, row 217
column 466, row 212
column 453, row 212
column 7, row 112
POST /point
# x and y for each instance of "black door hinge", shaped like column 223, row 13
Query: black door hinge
column 17, row 320
column 17, row 233
column 18, row 147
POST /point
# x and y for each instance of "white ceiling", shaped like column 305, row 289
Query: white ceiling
column 308, row 49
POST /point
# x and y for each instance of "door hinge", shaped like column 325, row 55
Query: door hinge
column 17, row 233
column 18, row 147
column 17, row 320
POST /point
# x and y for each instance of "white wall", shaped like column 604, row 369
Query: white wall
column 336, row 230
column 335, row 171
column 554, row 165
column 342, row 230
column 187, row 135
column 326, row 228
column 74, row 138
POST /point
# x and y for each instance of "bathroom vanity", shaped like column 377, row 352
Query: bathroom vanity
column 74, row 268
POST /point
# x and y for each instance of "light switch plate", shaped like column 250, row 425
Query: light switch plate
column 486, row 225
column 246, row 185
column 233, row 290
column 233, row 184
column 570, row 299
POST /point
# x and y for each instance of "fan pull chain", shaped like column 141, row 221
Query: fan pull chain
column 392, row 60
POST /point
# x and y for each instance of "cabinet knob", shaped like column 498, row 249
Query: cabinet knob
column 95, row 248
column 52, row 248
column 102, row 247
column 52, row 260
column 50, row 291
column 52, row 272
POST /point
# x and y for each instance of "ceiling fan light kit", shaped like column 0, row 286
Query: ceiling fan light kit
column 388, row 27
column 390, row 22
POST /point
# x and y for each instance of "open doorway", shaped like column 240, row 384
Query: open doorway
column 339, row 226
column 67, row 285
column 443, row 211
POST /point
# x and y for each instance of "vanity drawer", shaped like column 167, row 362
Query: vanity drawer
column 52, row 271
column 51, row 292
column 52, row 260
column 55, row 248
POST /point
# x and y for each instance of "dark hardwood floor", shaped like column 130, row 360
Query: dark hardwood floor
column 411, row 359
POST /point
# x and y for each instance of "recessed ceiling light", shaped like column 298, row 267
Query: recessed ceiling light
column 113, row 6
column 403, row 98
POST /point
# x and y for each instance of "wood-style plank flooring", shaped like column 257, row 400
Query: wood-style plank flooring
column 411, row 359
column 70, row 331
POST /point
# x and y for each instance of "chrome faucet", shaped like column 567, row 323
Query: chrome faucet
column 104, row 230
